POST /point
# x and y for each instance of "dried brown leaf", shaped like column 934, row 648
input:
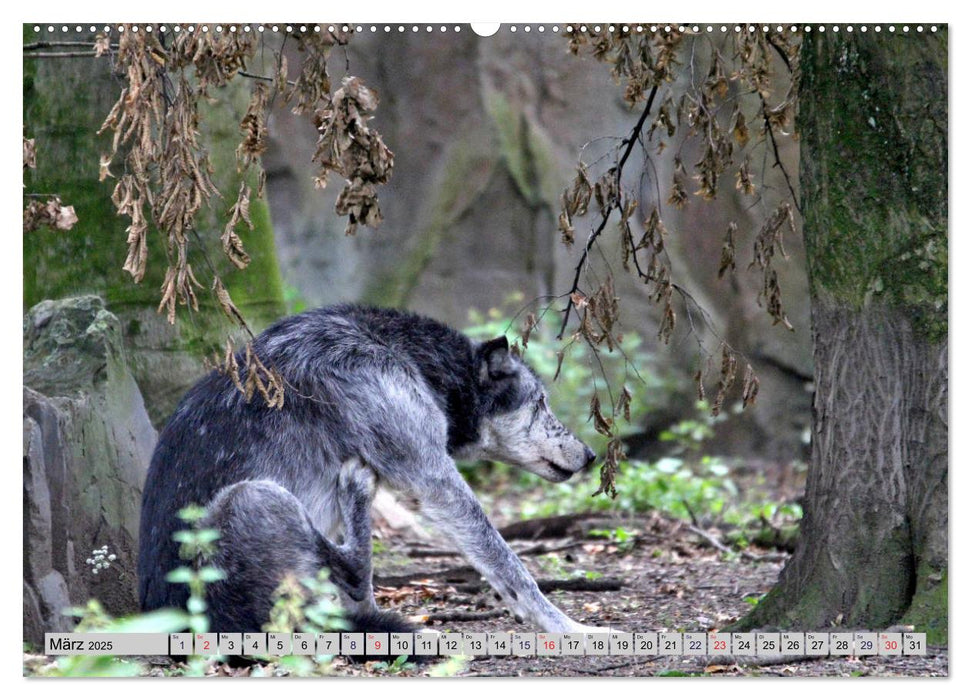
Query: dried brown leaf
column 559, row 364
column 601, row 423
column 226, row 302
column 231, row 242
column 750, row 386
column 30, row 154
column 528, row 326
column 623, row 403
column 728, row 250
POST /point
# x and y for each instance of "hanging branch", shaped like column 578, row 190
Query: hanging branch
column 628, row 145
column 713, row 112
column 778, row 160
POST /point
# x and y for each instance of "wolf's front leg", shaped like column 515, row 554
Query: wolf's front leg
column 449, row 503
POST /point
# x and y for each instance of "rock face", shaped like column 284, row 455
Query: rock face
column 87, row 445
column 486, row 134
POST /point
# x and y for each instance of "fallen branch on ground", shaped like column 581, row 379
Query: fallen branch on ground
column 460, row 616
column 551, row 527
column 549, row 584
column 541, row 548
column 714, row 543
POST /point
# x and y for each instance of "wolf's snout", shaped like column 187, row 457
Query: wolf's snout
column 588, row 457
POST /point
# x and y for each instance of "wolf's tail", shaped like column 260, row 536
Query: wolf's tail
column 378, row 621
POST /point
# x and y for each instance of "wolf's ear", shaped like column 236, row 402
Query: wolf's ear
column 494, row 360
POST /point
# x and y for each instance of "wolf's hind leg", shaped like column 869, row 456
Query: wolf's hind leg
column 265, row 536
column 356, row 484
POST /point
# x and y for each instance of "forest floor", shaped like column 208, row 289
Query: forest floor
column 671, row 579
column 635, row 574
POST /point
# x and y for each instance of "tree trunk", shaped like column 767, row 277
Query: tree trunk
column 873, row 544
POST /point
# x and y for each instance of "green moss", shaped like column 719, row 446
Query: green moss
column 929, row 608
column 258, row 288
column 885, row 587
column 65, row 103
column 874, row 171
column 777, row 611
column 513, row 132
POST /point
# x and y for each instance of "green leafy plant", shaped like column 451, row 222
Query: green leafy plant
column 623, row 539
column 94, row 618
column 452, row 666
column 688, row 436
column 196, row 545
column 668, row 485
column 552, row 565
column 399, row 665
column 308, row 605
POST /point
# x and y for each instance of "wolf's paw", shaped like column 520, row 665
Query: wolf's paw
column 357, row 479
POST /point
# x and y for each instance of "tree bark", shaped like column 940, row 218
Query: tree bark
column 873, row 543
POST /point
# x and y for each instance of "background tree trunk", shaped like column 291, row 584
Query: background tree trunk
column 873, row 545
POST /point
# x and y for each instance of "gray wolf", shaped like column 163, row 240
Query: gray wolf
column 373, row 395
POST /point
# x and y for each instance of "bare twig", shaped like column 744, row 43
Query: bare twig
column 547, row 585
column 628, row 144
column 38, row 45
column 778, row 160
column 611, row 667
column 62, row 54
column 715, row 544
column 541, row 548
column 264, row 78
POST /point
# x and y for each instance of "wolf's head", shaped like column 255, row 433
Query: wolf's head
column 517, row 425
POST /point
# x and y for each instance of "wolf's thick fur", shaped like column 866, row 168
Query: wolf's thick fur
column 372, row 395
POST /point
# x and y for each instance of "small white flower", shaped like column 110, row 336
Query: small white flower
column 94, row 571
column 111, row 557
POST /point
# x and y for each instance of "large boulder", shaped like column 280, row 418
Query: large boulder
column 87, row 445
